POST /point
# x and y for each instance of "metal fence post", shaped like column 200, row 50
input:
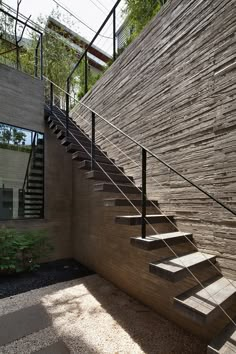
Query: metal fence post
column 93, row 143
column 86, row 73
column 41, row 56
column 67, row 104
column 144, row 191
column 51, row 96
column 114, row 34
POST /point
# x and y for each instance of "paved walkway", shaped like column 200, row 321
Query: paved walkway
column 87, row 315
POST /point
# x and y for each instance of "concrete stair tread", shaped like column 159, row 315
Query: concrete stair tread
column 176, row 264
column 200, row 300
column 112, row 188
column 100, row 175
column 225, row 342
column 156, row 241
column 137, row 219
column 86, row 165
column 82, row 155
column 174, row 269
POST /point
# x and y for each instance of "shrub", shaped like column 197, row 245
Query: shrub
column 21, row 250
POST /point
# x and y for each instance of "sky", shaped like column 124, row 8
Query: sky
column 92, row 12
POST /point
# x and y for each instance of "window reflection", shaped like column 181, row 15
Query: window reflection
column 21, row 173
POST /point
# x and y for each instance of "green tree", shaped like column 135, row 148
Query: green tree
column 140, row 12
column 18, row 136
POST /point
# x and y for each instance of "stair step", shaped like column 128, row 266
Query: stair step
column 225, row 342
column 33, row 198
column 197, row 303
column 30, row 202
column 71, row 130
column 38, row 159
column 38, row 164
column 33, row 187
column 80, row 155
column 156, row 241
column 110, row 187
column 70, row 140
column 36, row 171
column 35, row 194
column 35, row 180
column 137, row 219
column 86, row 165
column 73, row 148
column 116, row 177
column 174, row 269
column 32, row 212
column 119, row 202
column 28, row 207
column 33, row 216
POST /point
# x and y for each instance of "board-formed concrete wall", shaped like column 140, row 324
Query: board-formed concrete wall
column 174, row 90
column 21, row 99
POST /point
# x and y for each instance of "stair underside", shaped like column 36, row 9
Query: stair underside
column 86, row 165
column 225, row 342
column 117, row 177
column 137, row 219
column 159, row 241
column 111, row 188
column 202, row 305
column 175, row 269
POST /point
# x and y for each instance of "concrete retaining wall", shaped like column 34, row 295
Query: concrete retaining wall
column 174, row 90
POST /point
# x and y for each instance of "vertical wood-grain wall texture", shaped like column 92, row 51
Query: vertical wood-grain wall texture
column 174, row 90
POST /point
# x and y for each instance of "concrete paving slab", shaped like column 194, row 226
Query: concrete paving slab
column 23, row 322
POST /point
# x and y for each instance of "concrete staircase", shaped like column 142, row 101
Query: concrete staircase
column 197, row 305
column 33, row 191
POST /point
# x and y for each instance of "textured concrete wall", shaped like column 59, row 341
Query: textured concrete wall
column 173, row 89
column 104, row 246
column 21, row 99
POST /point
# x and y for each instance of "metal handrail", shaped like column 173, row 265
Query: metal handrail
column 19, row 20
column 39, row 42
column 145, row 150
column 112, row 12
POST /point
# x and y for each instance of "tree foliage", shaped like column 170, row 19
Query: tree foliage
column 11, row 135
column 140, row 12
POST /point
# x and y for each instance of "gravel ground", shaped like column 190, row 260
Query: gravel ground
column 48, row 274
column 90, row 315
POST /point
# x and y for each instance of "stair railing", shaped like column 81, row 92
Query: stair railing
column 144, row 150
column 213, row 298
column 38, row 51
column 29, row 162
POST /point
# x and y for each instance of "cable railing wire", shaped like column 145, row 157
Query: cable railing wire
column 151, row 226
column 153, row 204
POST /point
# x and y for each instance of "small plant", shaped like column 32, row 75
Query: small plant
column 21, row 250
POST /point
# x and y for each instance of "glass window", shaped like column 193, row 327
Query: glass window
column 21, row 173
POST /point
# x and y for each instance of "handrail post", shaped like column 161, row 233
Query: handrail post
column 93, row 142
column 41, row 56
column 144, row 191
column 36, row 62
column 51, row 96
column 114, row 34
column 85, row 73
column 67, row 104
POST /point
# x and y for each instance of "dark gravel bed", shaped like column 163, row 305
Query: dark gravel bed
column 48, row 274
